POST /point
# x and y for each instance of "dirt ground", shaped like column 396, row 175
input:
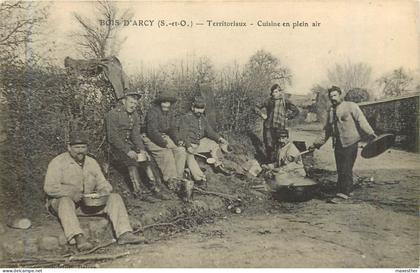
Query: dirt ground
column 378, row 227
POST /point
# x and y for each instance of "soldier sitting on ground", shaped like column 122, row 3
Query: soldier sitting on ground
column 161, row 140
column 126, row 144
column 288, row 159
column 69, row 176
column 199, row 137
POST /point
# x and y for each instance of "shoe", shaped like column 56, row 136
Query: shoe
column 158, row 194
column 144, row 197
column 130, row 238
column 82, row 243
column 222, row 170
column 338, row 199
column 342, row 195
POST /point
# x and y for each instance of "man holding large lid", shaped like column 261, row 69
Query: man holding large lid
column 344, row 125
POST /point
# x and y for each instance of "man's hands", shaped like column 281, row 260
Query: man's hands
column 372, row 137
column 314, row 146
column 223, row 141
column 263, row 116
column 132, row 154
column 75, row 195
column 190, row 150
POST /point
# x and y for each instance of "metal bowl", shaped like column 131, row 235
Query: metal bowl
column 95, row 200
column 292, row 189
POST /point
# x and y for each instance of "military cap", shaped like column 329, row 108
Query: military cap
column 199, row 102
column 131, row 92
column 165, row 96
column 78, row 137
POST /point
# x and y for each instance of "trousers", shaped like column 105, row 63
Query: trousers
column 345, row 157
column 206, row 145
column 171, row 161
column 67, row 211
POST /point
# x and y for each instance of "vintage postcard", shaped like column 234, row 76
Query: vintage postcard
column 209, row 134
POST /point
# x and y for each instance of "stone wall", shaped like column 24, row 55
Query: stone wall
column 399, row 116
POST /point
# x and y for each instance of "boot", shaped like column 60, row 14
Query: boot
column 82, row 243
column 187, row 192
column 135, row 179
column 159, row 194
column 130, row 238
column 157, row 188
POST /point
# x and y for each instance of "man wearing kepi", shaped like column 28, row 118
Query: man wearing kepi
column 161, row 139
column 199, row 137
column 123, row 133
column 278, row 111
column 344, row 121
column 72, row 174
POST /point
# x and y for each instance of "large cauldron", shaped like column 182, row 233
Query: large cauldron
column 290, row 188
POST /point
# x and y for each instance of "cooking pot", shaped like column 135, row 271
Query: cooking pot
column 95, row 199
column 290, row 188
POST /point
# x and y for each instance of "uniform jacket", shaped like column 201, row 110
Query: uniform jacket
column 158, row 123
column 350, row 121
column 65, row 177
column 193, row 128
column 291, row 111
column 123, row 130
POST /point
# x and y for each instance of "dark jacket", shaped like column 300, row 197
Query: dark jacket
column 291, row 110
column 123, row 130
column 158, row 123
column 193, row 128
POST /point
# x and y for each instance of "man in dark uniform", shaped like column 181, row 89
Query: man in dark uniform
column 199, row 137
column 279, row 110
column 161, row 138
column 123, row 134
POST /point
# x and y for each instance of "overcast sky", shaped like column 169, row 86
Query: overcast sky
column 384, row 34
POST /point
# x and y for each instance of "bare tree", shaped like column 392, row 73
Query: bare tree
column 19, row 23
column 395, row 83
column 350, row 75
column 263, row 69
column 98, row 36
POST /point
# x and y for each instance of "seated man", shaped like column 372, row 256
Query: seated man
column 162, row 138
column 199, row 137
column 123, row 134
column 72, row 174
column 288, row 159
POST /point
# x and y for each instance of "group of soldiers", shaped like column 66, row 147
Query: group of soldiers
column 169, row 143
column 173, row 145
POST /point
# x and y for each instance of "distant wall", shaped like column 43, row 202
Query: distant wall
column 399, row 116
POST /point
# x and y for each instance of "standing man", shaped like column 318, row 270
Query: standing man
column 123, row 134
column 72, row 174
column 161, row 139
column 279, row 110
column 199, row 137
column 344, row 121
